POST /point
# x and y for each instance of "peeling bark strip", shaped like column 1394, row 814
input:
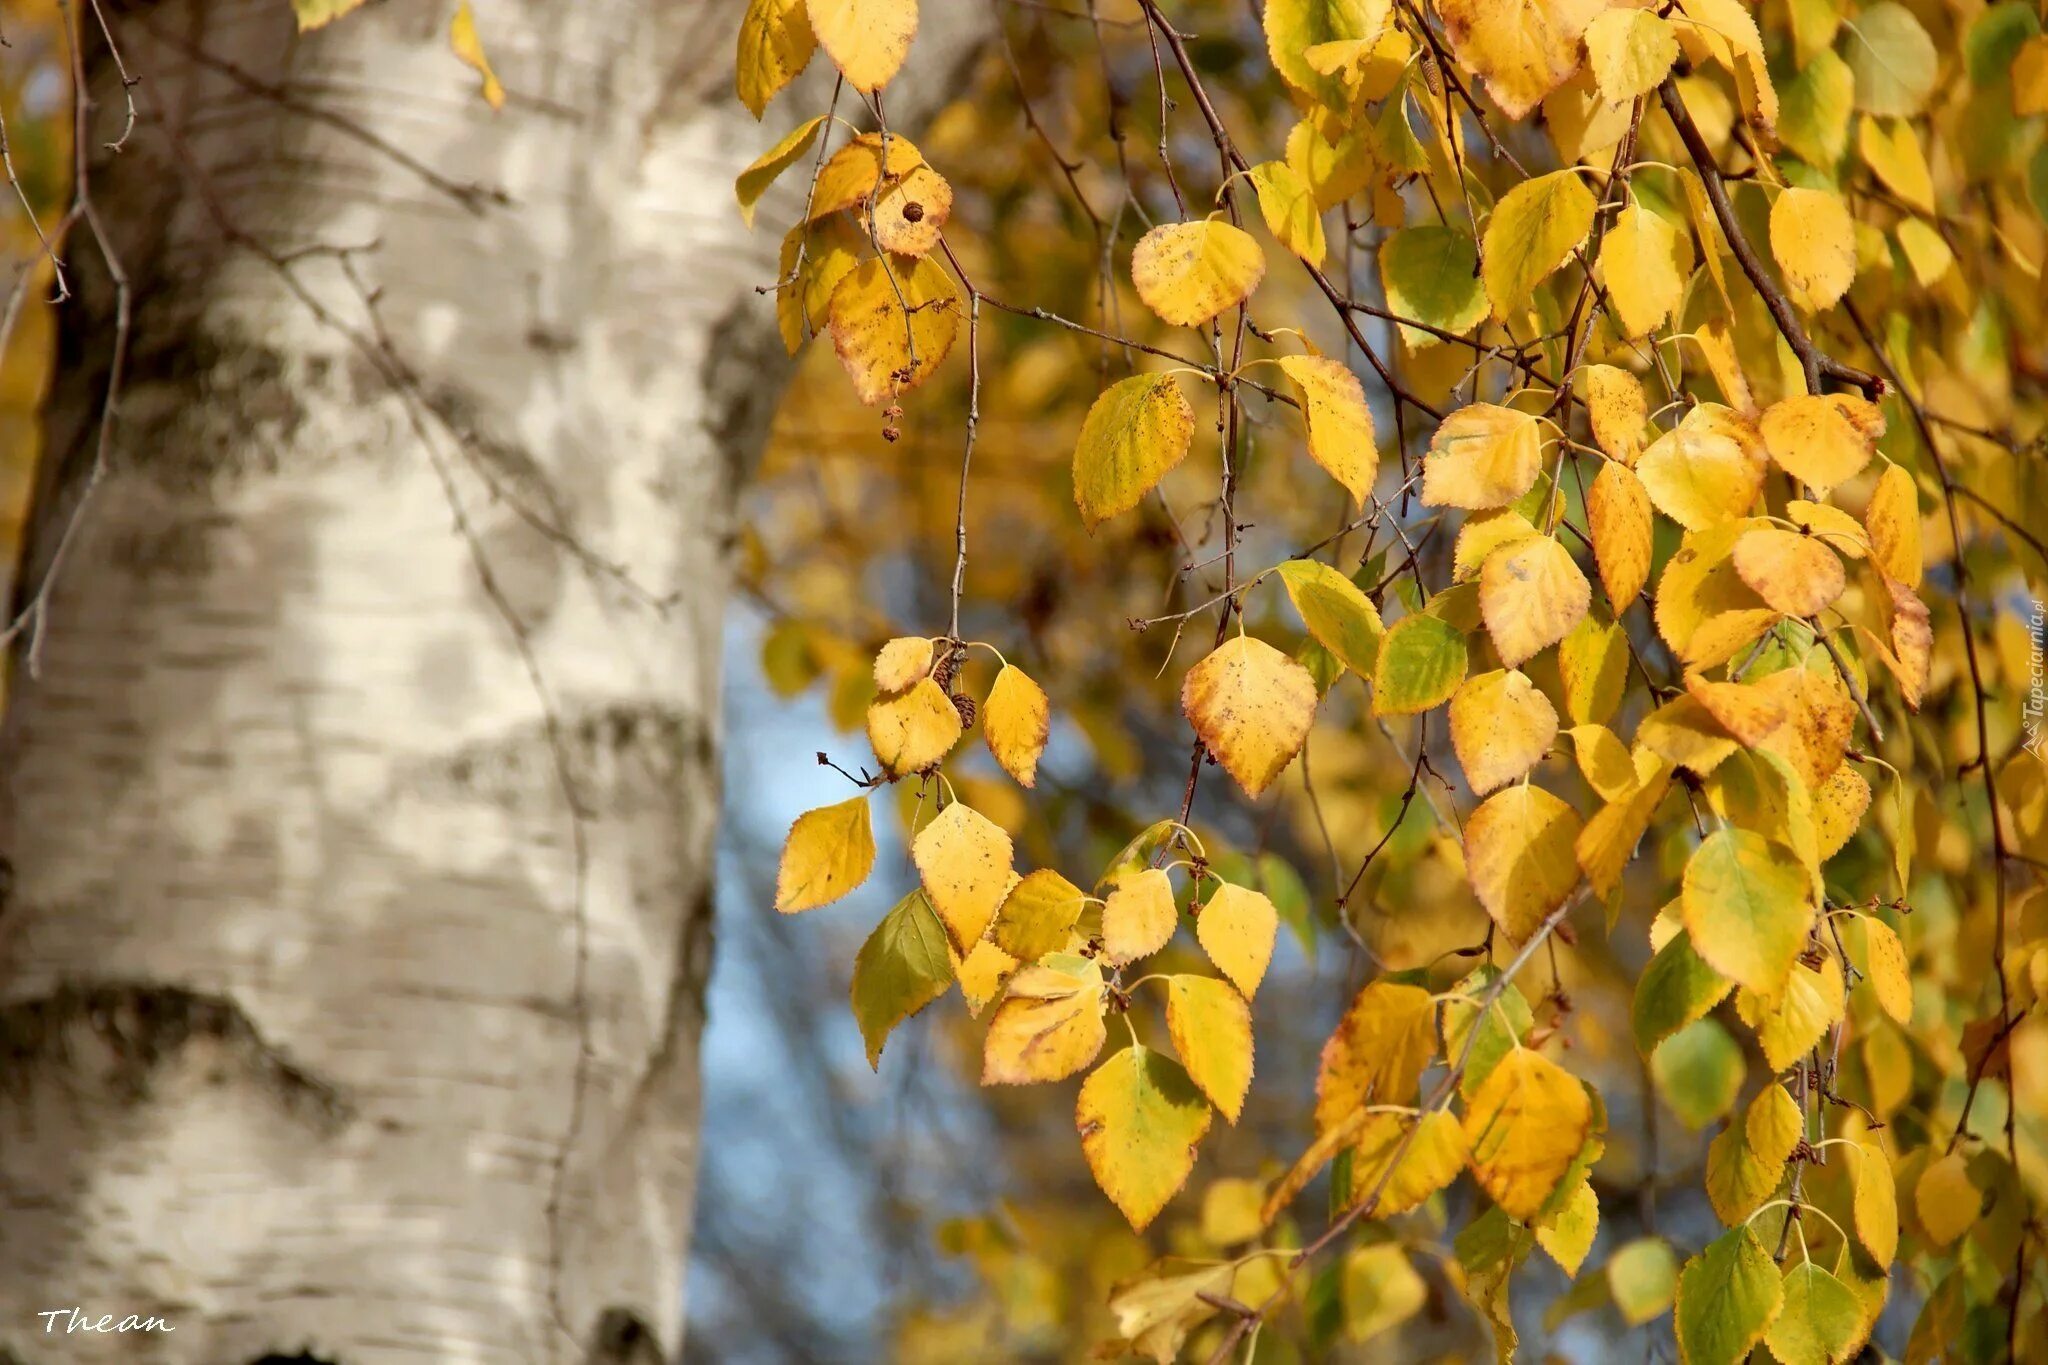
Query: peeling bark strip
column 359, row 816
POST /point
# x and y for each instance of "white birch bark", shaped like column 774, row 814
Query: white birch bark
column 290, row 1009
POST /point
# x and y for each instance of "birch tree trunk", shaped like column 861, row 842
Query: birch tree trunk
column 358, row 815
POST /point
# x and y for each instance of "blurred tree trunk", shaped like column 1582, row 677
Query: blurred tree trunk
column 359, row 813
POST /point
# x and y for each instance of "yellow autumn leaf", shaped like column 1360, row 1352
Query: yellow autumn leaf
column 1049, row 1025
column 754, row 181
column 963, row 858
column 1644, row 262
column 1519, row 857
column 866, row 39
column 1747, row 1160
column 1843, row 533
column 856, row 172
column 1699, row 477
column 1793, row 573
column 1946, row 1199
column 1211, row 1026
column 1524, row 1127
column 1630, row 51
column 1616, row 407
column 829, row 852
column 1522, row 49
column 1340, row 434
column 1787, row 1028
column 1037, row 915
column 1838, row 809
column 892, row 323
column 1592, row 663
column 815, row 258
column 1501, row 727
column 1187, row 273
column 1885, row 963
column 1895, row 157
column 1746, row 902
column 1434, row 1157
column 776, row 43
column 1134, row 434
column 910, row 212
column 1747, row 712
column 1236, row 928
column 1140, row 1118
column 914, row 729
column 1567, row 1235
column 1814, row 240
column 1377, row 1053
column 469, row 50
column 1619, row 520
column 1481, row 535
column 1893, row 522
column 1532, row 232
column 1251, row 706
column 1482, row 456
column 900, row 662
column 313, row 13
column 1295, row 28
column 1289, row 208
column 1531, row 594
column 1874, row 1200
column 1015, row 720
column 1603, row 848
column 983, row 974
column 1814, row 441
column 1139, row 916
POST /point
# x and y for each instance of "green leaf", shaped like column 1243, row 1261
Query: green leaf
column 1820, row 1321
column 1895, row 63
column 1813, row 115
column 1335, row 611
column 1728, row 1296
column 1507, row 1022
column 1532, row 232
column 903, row 967
column 1136, row 432
column 1421, row 661
column 1642, row 1276
column 1431, row 274
column 1699, row 1072
column 1677, row 988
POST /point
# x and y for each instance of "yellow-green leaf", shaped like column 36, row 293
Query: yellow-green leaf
column 1533, row 230
column 1746, row 1162
column 1746, row 904
column 1335, row 611
column 1821, row 1320
column 829, row 852
column 1431, row 274
column 1140, row 1118
column 1728, row 1297
column 1038, row 915
column 1677, row 988
column 1135, row 432
column 903, row 967
column 1422, row 660
column 1289, row 209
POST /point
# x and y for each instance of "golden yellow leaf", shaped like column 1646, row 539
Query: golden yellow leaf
column 1037, row 915
column 1746, row 1162
column 1433, row 1159
column 1482, row 456
column 983, row 973
column 1049, row 1025
column 1134, row 434
column 1139, row 916
column 829, row 852
column 1533, row 231
column 1891, row 979
column 1603, row 848
column 1819, row 718
column 1289, row 208
column 2030, row 77
column 856, row 172
column 963, row 858
column 1911, row 655
column 1155, row 1311
column 1523, row 49
column 901, row 662
column 1705, row 612
column 1838, row 807
column 910, row 212
column 1481, row 535
column 754, row 181
column 1531, row 594
column 1895, row 157
column 1015, row 720
column 1787, row 1028
column 1874, row 1200
column 1893, row 519
column 1140, row 1118
column 1519, row 857
column 1501, row 727
column 1631, row 51
column 1592, row 662
column 1746, row 901
column 866, row 39
column 1746, row 711
column 1814, row 442
column 1644, row 262
column 1699, row 477
column 892, row 323
column 1842, row 532
column 776, row 43
column 469, row 50
column 1927, row 251
column 1524, row 1127
column 1251, row 706
column 1814, row 240
column 1211, row 1027
column 1604, row 761
column 815, row 258
column 1793, row 573
column 1685, row 734
column 1187, row 273
column 1618, row 516
column 1340, row 434
column 1945, row 1198
column 313, row 13
column 1567, row 1235
column 1236, row 929
column 914, row 729
column 1616, row 407
column 1333, row 171
column 1377, row 1052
